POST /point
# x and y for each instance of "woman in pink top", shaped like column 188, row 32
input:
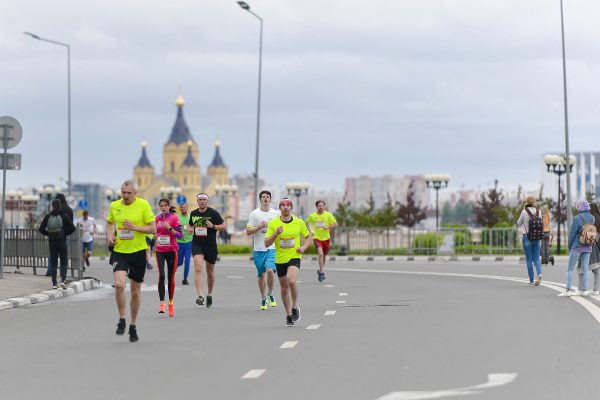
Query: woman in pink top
column 168, row 230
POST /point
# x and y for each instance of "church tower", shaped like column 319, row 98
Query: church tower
column 217, row 170
column 143, row 173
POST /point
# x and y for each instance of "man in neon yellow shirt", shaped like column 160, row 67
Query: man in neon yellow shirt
column 285, row 232
column 321, row 223
column 134, row 219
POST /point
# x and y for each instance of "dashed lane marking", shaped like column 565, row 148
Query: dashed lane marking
column 340, row 302
column 342, row 294
column 288, row 345
column 235, row 277
column 312, row 327
column 332, row 312
column 253, row 374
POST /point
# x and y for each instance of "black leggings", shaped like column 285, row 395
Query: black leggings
column 170, row 257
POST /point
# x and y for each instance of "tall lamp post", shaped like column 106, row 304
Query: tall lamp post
column 558, row 165
column 566, row 113
column 298, row 189
column 437, row 181
column 246, row 7
column 69, row 183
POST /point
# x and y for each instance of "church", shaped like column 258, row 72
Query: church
column 181, row 172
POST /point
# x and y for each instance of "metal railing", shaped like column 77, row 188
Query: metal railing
column 28, row 248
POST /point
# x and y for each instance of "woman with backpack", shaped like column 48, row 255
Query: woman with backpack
column 594, row 255
column 532, row 230
column 580, row 245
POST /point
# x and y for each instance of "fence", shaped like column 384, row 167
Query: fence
column 27, row 248
column 450, row 241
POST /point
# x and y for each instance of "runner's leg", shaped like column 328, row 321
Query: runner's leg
column 136, row 299
column 160, row 264
column 292, row 276
column 171, row 269
column 198, row 264
column 119, row 277
column 285, row 294
column 321, row 259
column 210, row 276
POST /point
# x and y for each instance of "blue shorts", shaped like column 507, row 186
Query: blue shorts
column 264, row 260
column 88, row 246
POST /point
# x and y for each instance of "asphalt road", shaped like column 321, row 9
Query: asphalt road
column 405, row 331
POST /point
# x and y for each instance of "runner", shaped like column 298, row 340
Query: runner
column 185, row 242
column 205, row 222
column 264, row 258
column 87, row 225
column 321, row 223
column 134, row 220
column 285, row 232
column 168, row 231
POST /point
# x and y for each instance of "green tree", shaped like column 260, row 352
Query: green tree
column 343, row 214
column 489, row 206
column 387, row 215
column 410, row 213
column 365, row 216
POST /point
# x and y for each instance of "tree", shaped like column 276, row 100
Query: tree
column 410, row 213
column 365, row 216
column 343, row 214
column 386, row 216
column 488, row 207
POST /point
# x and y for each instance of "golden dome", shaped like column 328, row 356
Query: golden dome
column 180, row 102
column 189, row 142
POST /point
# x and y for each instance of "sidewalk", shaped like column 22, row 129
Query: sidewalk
column 19, row 290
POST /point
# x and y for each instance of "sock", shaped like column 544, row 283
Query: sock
column 171, row 302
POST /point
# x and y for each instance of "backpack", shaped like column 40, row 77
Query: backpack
column 536, row 227
column 588, row 233
column 55, row 227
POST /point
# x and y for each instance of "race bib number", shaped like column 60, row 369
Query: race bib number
column 163, row 240
column 201, row 231
column 125, row 234
column 320, row 224
column 287, row 243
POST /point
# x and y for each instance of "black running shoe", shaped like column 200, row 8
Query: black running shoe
column 200, row 300
column 133, row 337
column 208, row 301
column 296, row 314
column 185, row 282
column 121, row 327
column 289, row 321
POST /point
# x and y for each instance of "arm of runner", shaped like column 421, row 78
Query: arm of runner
column 270, row 239
column 307, row 242
column 150, row 228
column 110, row 233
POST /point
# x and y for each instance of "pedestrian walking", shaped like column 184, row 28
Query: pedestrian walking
column 580, row 244
column 168, row 231
column 285, row 232
column 56, row 225
column 68, row 211
column 531, row 228
column 545, row 251
column 594, row 266
column 134, row 219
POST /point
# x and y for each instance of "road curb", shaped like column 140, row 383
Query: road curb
column 47, row 295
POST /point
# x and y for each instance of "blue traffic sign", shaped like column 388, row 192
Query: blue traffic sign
column 181, row 199
column 83, row 204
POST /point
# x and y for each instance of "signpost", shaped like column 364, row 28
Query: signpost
column 11, row 132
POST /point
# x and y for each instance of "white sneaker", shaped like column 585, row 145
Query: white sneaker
column 576, row 293
column 595, row 293
column 62, row 285
column 569, row 293
column 585, row 292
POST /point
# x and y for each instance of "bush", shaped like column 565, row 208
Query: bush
column 234, row 249
column 427, row 243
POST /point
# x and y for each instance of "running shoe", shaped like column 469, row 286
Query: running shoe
column 272, row 301
column 595, row 292
column 569, row 293
column 263, row 304
column 54, row 287
column 209, row 301
column 531, row 284
column 171, row 310
column 133, row 336
column 323, row 276
column 161, row 308
column 538, row 280
column 148, row 266
column 121, row 327
column 296, row 314
column 319, row 276
column 585, row 293
column 185, row 282
column 289, row 321
column 63, row 285
column 87, row 262
column 200, row 301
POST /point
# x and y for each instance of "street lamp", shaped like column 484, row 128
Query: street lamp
column 566, row 112
column 246, row 7
column 298, row 189
column 558, row 165
column 47, row 192
column 436, row 181
column 169, row 191
column 69, row 183
column 225, row 191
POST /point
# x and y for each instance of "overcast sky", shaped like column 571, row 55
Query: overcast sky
column 470, row 88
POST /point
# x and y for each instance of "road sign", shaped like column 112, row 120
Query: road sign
column 13, row 161
column 181, row 199
column 83, row 204
column 10, row 132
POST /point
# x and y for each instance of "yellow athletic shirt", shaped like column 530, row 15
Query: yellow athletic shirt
column 289, row 240
column 138, row 213
column 318, row 222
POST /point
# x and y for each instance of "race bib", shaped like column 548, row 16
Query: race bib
column 320, row 224
column 288, row 243
column 163, row 240
column 201, row 231
column 125, row 234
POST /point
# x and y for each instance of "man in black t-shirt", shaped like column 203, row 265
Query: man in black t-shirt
column 205, row 222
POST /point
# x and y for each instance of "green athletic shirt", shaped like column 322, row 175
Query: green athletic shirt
column 184, row 221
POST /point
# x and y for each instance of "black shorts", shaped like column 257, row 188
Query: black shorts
column 132, row 263
column 283, row 268
column 210, row 253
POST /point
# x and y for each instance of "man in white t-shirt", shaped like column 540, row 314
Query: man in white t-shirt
column 264, row 257
column 87, row 225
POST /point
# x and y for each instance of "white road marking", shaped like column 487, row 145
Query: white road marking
column 315, row 326
column 253, row 373
column 288, row 345
column 341, row 302
column 329, row 285
column 342, row 294
column 332, row 312
column 234, row 277
column 494, row 380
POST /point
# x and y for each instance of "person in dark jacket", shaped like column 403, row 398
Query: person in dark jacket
column 57, row 226
column 64, row 206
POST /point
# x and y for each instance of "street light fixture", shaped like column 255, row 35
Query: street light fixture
column 225, row 191
column 558, row 165
column 298, row 189
column 436, row 181
column 169, row 191
column 566, row 113
column 34, row 36
column 246, row 7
